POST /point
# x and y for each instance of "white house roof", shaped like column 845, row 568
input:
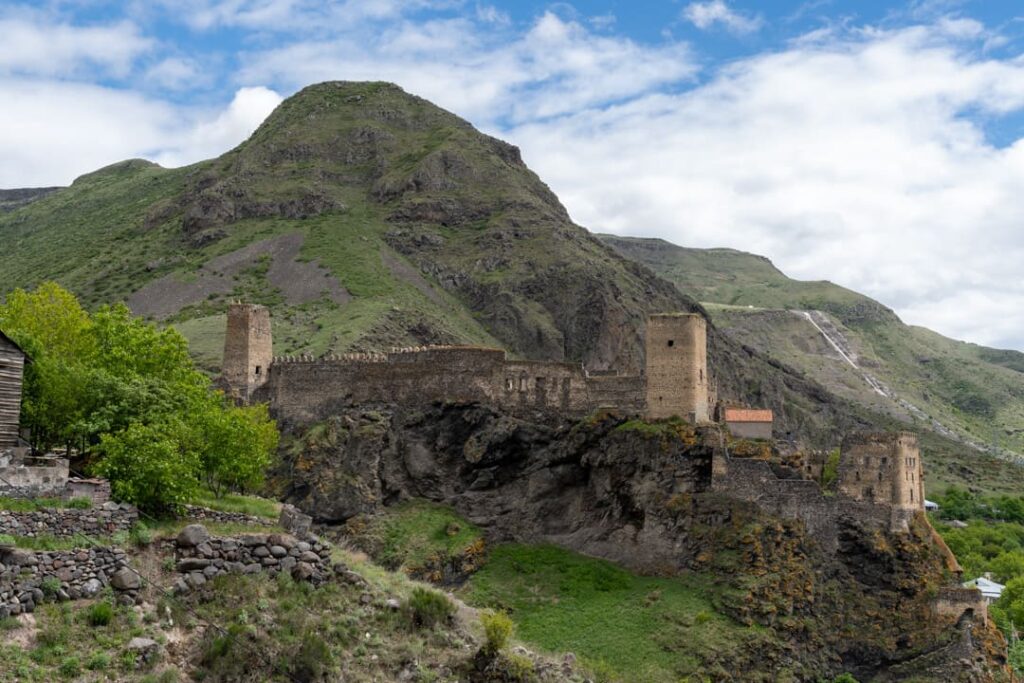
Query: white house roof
column 990, row 589
column 930, row 505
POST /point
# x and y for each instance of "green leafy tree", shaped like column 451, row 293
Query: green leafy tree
column 239, row 445
column 148, row 467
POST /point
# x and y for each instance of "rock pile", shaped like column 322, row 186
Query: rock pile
column 109, row 518
column 200, row 557
column 27, row 578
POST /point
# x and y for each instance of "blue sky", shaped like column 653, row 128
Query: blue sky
column 876, row 144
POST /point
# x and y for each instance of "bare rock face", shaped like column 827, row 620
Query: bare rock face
column 641, row 496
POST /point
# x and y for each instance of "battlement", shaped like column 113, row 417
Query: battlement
column 306, row 387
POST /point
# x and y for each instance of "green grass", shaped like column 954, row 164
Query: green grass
column 412, row 533
column 235, row 502
column 34, row 504
column 632, row 627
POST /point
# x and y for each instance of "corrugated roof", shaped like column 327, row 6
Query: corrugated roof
column 747, row 415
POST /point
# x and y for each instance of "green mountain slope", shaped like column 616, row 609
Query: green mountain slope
column 971, row 393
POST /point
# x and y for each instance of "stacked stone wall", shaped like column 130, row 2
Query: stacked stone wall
column 28, row 578
column 621, row 393
column 676, row 367
column 68, row 522
column 201, row 557
column 953, row 602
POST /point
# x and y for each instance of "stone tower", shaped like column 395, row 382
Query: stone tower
column 677, row 366
column 883, row 468
column 248, row 349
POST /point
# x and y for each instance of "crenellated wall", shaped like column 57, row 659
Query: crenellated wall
column 304, row 389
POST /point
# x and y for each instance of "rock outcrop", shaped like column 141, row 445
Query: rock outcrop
column 640, row 494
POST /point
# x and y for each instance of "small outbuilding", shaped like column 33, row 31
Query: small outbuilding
column 930, row 505
column 749, row 423
column 990, row 590
column 12, row 372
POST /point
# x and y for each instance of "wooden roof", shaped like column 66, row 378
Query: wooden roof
column 747, row 415
column 4, row 337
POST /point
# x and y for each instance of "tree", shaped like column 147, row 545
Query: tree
column 148, row 467
column 239, row 445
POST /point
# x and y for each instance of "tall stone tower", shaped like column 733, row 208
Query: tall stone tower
column 883, row 468
column 677, row 366
column 248, row 349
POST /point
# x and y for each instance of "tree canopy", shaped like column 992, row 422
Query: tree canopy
column 125, row 392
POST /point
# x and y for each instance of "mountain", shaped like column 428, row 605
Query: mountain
column 856, row 347
column 366, row 217
column 15, row 199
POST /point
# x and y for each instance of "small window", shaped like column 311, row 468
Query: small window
column 671, row 342
column 509, row 383
column 258, row 368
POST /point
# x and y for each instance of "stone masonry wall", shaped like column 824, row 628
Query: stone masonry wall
column 26, row 576
column 39, row 479
column 201, row 514
column 882, row 468
column 67, row 522
column 248, row 348
column 302, row 390
column 201, row 557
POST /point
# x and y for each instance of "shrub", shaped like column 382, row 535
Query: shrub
column 100, row 614
column 98, row 662
column 313, row 658
column 497, row 630
column 427, row 608
column 50, row 586
column 70, row 667
column 519, row 668
column 140, row 535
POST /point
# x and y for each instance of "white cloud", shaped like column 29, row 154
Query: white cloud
column 177, row 73
column 52, row 132
column 847, row 158
column 705, row 15
column 31, row 45
column 553, row 68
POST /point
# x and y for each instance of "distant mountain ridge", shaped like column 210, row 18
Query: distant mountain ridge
column 855, row 346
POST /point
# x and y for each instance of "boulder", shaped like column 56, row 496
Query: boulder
column 193, row 535
column 91, row 587
column 294, row 521
column 126, row 579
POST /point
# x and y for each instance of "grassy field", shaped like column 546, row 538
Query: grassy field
column 625, row 627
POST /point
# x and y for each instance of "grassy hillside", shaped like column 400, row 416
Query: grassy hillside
column 927, row 381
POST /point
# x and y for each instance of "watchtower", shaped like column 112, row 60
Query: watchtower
column 676, row 371
column 882, row 468
column 248, row 349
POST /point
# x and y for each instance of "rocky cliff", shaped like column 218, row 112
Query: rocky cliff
column 640, row 495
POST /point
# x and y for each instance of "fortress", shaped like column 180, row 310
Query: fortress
column 879, row 476
column 301, row 389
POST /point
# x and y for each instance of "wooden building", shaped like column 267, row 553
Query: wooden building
column 12, row 370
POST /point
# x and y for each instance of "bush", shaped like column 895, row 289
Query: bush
column 50, row 586
column 313, row 658
column 427, row 608
column 70, row 667
column 520, row 668
column 140, row 535
column 100, row 614
column 98, row 662
column 498, row 629
column 80, row 503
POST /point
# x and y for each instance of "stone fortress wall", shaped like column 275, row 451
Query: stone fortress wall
column 303, row 388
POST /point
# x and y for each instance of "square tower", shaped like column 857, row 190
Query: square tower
column 248, row 349
column 883, row 468
column 676, row 370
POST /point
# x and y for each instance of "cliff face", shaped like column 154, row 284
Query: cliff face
column 641, row 495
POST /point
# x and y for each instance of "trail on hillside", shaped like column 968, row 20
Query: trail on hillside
column 838, row 341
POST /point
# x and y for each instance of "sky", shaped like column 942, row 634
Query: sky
column 879, row 145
